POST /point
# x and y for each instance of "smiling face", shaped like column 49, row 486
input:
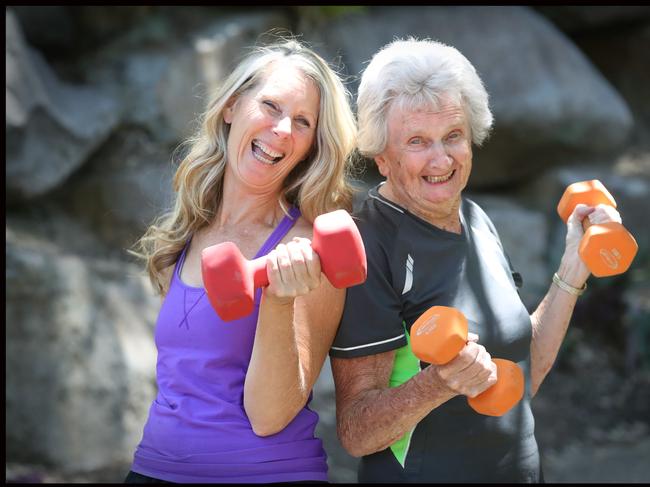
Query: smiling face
column 272, row 127
column 427, row 160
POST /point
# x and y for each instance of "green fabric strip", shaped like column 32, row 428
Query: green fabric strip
column 406, row 366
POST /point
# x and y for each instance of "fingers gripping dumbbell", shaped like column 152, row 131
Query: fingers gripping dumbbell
column 230, row 279
column 440, row 334
column 608, row 248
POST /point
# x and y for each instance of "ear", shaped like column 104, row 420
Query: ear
column 228, row 110
column 382, row 165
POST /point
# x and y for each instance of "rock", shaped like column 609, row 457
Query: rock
column 622, row 56
column 80, row 356
column 122, row 189
column 575, row 18
column 549, row 102
column 51, row 126
column 166, row 83
column 618, row 463
column 49, row 28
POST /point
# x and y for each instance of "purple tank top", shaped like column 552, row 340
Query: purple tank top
column 197, row 430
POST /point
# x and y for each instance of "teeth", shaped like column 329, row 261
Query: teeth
column 267, row 150
column 262, row 159
column 439, row 179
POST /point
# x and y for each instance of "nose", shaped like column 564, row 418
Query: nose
column 283, row 127
column 438, row 156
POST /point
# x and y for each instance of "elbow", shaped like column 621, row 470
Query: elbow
column 355, row 451
column 267, row 423
column 261, row 428
column 266, row 426
column 269, row 416
column 352, row 447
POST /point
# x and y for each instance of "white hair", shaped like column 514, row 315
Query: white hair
column 417, row 73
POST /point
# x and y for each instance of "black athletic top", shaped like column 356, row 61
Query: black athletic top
column 413, row 265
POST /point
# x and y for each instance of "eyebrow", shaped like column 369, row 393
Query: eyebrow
column 313, row 117
column 454, row 124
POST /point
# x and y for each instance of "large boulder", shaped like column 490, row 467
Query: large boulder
column 581, row 18
column 80, row 355
column 621, row 54
column 165, row 81
column 51, row 126
column 122, row 188
column 549, row 102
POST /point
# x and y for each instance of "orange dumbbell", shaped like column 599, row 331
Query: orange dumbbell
column 606, row 249
column 440, row 334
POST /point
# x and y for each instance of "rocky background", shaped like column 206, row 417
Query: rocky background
column 98, row 100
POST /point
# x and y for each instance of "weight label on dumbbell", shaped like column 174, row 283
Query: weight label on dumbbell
column 610, row 258
column 428, row 327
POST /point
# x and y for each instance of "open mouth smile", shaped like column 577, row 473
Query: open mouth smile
column 264, row 153
column 440, row 179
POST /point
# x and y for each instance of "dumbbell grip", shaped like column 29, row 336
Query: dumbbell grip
column 438, row 336
column 258, row 269
column 586, row 223
column 502, row 396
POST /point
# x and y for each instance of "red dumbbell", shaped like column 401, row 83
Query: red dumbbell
column 230, row 279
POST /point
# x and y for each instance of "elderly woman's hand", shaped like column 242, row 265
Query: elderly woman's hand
column 293, row 270
column 575, row 272
column 471, row 372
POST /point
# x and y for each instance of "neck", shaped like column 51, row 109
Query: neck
column 445, row 216
column 240, row 206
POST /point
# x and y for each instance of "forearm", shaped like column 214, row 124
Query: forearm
column 550, row 322
column 275, row 388
column 379, row 417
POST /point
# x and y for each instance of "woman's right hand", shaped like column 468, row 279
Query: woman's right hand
column 293, row 270
column 471, row 372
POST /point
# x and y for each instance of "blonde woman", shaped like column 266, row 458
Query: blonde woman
column 232, row 402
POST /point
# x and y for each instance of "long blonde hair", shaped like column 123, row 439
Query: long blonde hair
column 317, row 185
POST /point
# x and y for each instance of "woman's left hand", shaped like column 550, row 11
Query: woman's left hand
column 293, row 270
column 575, row 272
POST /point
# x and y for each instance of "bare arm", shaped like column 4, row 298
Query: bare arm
column 292, row 339
column 370, row 416
column 550, row 320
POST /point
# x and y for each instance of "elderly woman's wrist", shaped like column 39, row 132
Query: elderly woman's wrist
column 573, row 273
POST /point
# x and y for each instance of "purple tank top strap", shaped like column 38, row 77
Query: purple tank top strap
column 181, row 258
column 280, row 231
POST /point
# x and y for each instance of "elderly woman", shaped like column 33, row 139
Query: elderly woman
column 421, row 106
column 271, row 155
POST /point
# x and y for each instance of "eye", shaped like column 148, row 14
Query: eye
column 271, row 105
column 415, row 141
column 303, row 122
column 454, row 135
